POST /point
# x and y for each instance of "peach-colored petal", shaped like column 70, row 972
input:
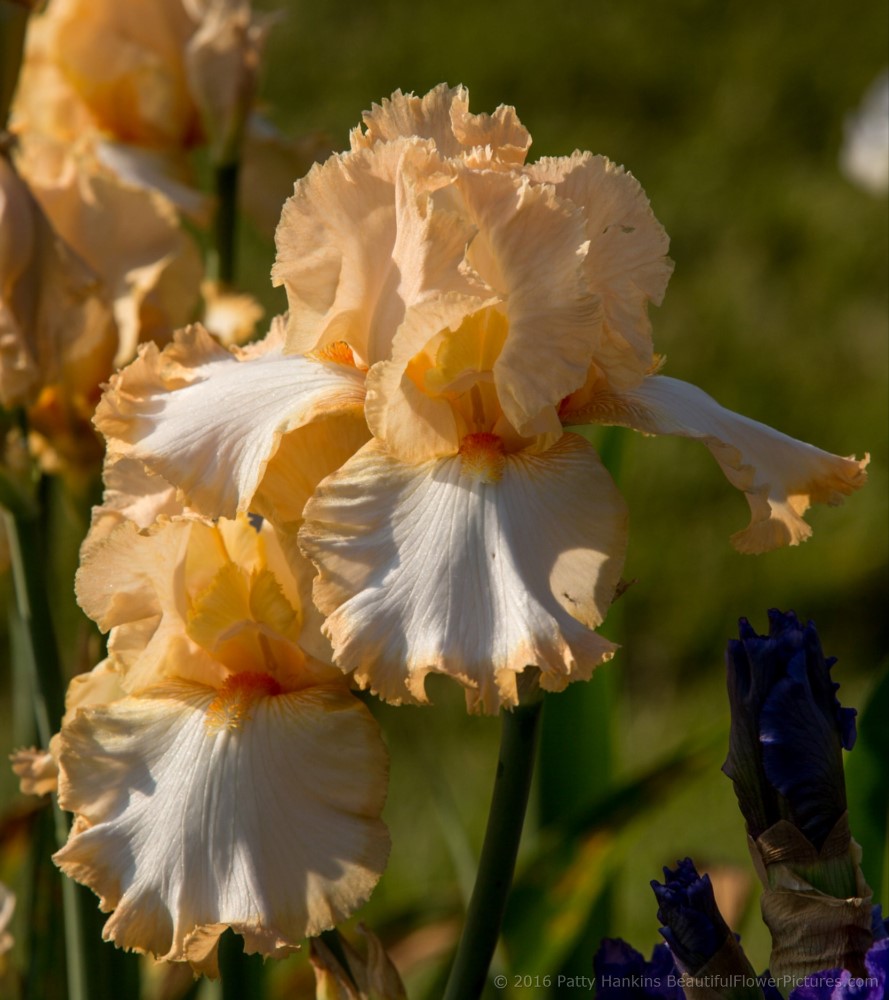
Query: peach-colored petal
column 56, row 330
column 199, row 601
column 36, row 770
column 781, row 476
column 442, row 567
column 359, row 242
column 230, row 316
column 221, row 65
column 210, row 421
column 415, row 425
column 131, row 493
column 130, row 236
column 626, row 265
column 443, row 116
column 200, row 809
column 125, row 62
column 530, row 250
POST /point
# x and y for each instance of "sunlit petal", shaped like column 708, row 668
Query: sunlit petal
column 443, row 116
column 199, row 810
column 530, row 250
column 358, row 243
column 781, row 476
column 440, row 567
column 209, row 420
column 626, row 264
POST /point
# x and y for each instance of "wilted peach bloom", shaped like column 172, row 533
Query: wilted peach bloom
column 234, row 781
column 490, row 304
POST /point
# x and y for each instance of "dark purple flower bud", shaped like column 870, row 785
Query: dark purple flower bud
column 622, row 973
column 788, row 729
column 692, row 924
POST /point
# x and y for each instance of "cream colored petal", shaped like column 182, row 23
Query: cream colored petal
column 626, row 265
column 428, row 568
column 781, row 476
column 188, row 824
column 359, row 242
column 210, row 421
column 443, row 116
column 530, row 251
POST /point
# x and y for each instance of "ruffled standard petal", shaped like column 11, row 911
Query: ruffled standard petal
column 435, row 567
column 443, row 116
column 359, row 242
column 210, row 421
column 530, row 250
column 626, row 264
column 781, row 476
column 197, row 811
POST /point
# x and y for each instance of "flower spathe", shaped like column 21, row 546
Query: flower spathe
column 475, row 306
column 234, row 780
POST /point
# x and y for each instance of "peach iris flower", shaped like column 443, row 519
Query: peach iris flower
column 221, row 774
column 452, row 311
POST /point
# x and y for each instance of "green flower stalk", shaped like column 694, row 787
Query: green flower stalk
column 787, row 737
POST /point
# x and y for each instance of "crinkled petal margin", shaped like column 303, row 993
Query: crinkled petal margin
column 183, row 828
column 423, row 568
column 780, row 476
column 209, row 421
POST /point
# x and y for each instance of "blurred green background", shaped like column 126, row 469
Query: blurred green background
column 731, row 115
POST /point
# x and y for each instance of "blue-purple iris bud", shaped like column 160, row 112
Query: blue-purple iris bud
column 692, row 924
column 788, row 729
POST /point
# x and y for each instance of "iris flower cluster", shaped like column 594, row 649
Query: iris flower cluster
column 385, row 486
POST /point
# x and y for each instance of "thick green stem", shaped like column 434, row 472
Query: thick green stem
column 241, row 974
column 497, row 863
column 223, row 259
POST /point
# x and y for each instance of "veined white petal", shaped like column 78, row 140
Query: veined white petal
column 191, row 820
column 781, row 476
column 209, row 421
column 428, row 567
